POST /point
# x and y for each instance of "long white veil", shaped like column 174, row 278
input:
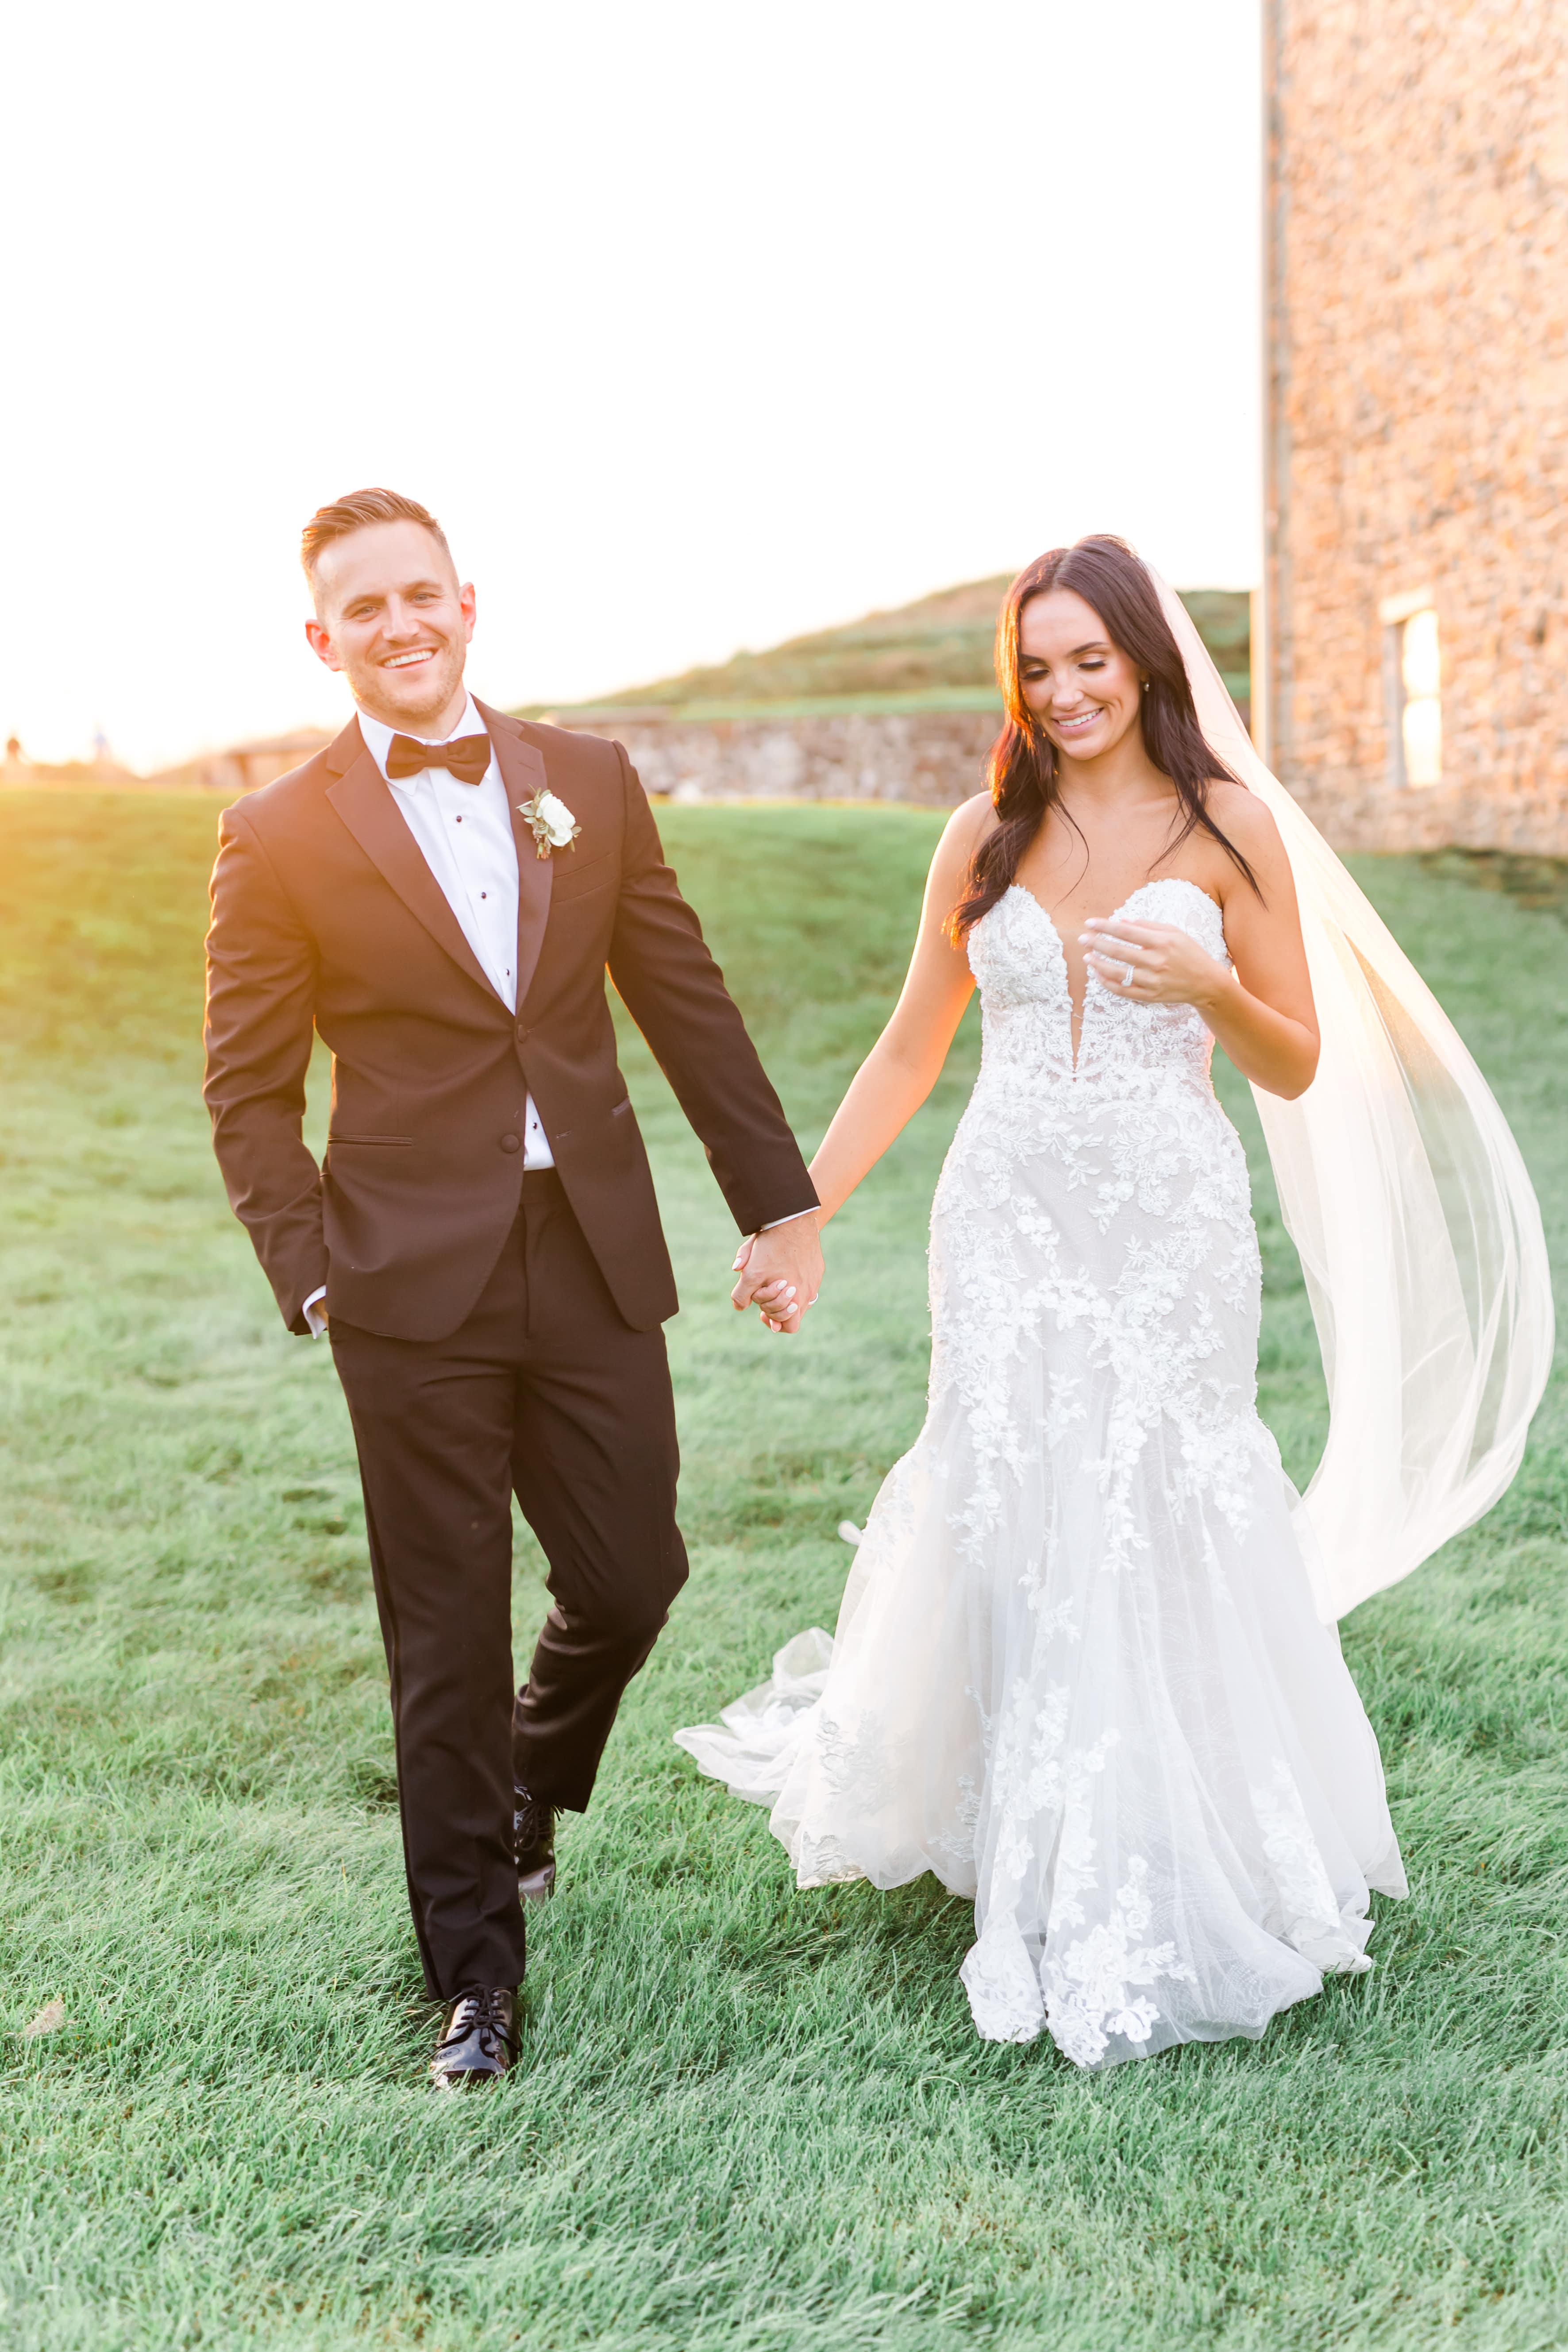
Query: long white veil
column 1417, row 1228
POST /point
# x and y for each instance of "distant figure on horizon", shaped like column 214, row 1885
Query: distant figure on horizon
column 438, row 893
column 1078, row 1671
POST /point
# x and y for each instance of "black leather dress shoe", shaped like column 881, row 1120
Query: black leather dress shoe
column 478, row 2041
column 533, row 1843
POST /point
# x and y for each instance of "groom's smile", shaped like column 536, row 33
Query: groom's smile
column 391, row 618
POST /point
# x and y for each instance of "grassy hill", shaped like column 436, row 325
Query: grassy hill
column 935, row 653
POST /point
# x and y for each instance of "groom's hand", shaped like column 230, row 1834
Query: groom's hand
column 780, row 1271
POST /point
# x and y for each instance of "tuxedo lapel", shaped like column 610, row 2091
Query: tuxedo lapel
column 364, row 801
column 522, row 772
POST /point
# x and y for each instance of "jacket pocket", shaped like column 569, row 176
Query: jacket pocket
column 333, row 1140
column 568, row 882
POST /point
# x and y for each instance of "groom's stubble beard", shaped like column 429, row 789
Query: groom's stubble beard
column 433, row 688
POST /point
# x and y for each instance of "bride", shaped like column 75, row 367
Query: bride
column 1081, row 1670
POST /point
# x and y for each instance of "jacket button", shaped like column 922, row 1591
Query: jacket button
column 512, row 1143
column 522, row 1031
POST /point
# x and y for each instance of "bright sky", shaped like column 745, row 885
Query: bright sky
column 698, row 325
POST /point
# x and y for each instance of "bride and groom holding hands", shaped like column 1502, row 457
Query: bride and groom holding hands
column 1085, row 1671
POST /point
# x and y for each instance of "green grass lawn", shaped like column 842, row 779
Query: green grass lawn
column 745, row 2118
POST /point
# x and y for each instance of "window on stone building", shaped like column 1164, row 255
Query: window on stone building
column 1413, row 689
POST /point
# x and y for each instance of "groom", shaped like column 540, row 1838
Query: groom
column 439, row 893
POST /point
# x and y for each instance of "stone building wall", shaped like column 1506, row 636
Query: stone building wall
column 935, row 758
column 1417, row 244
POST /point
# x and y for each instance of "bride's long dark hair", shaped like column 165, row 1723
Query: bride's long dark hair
column 1022, row 771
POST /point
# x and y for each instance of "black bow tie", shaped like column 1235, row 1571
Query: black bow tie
column 468, row 758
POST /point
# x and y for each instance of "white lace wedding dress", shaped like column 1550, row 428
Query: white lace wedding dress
column 1078, row 1673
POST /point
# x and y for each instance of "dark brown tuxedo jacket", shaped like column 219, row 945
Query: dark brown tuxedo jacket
column 326, row 917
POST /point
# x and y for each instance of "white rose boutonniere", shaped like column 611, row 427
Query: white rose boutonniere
column 549, row 821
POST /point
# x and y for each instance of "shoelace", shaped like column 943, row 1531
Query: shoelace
column 530, row 1822
column 482, row 2013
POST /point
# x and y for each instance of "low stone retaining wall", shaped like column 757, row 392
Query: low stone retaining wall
column 933, row 758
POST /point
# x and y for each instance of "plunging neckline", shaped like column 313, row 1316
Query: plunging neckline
column 1077, row 1008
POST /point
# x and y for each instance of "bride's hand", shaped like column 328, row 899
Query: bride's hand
column 780, row 1271
column 1152, row 963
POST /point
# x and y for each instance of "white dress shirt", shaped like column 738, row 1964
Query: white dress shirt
column 465, row 836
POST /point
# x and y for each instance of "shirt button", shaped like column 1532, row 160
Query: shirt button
column 512, row 1143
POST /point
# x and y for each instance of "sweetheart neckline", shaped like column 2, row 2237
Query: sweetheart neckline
column 1077, row 1014
column 1155, row 882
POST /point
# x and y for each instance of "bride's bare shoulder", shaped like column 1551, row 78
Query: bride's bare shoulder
column 1248, row 823
column 1240, row 814
column 962, row 835
column 968, row 826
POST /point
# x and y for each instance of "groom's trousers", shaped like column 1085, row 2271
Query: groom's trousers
column 544, row 1391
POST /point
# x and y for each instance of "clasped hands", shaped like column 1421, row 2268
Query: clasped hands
column 1152, row 963
column 780, row 1273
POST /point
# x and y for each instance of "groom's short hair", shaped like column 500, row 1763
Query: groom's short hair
column 353, row 513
